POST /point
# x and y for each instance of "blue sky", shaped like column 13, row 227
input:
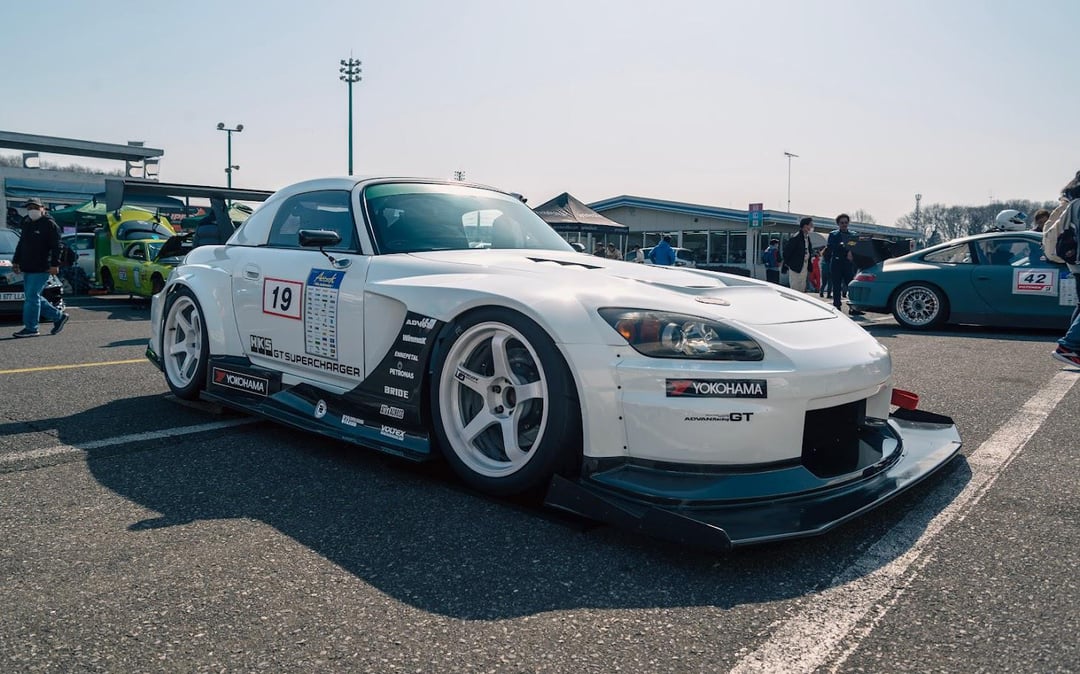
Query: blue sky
column 691, row 101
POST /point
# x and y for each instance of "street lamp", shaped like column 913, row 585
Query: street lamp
column 229, row 167
column 350, row 73
column 789, row 157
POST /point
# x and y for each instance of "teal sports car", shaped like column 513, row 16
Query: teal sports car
column 997, row 278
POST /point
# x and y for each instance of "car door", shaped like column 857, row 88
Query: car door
column 127, row 275
column 297, row 311
column 1014, row 278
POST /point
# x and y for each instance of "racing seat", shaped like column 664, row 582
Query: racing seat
column 505, row 233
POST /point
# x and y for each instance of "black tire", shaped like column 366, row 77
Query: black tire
column 184, row 326
column 920, row 306
column 157, row 284
column 471, row 387
column 107, row 281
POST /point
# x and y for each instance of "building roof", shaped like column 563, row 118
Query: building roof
column 80, row 148
column 736, row 215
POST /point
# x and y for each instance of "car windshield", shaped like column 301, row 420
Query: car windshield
column 8, row 241
column 418, row 217
column 154, row 249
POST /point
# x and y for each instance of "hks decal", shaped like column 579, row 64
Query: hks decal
column 262, row 345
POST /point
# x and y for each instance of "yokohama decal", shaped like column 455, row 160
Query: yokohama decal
column 717, row 388
column 240, row 381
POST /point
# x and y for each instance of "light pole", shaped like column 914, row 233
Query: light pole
column 350, row 73
column 229, row 167
column 918, row 198
column 789, row 158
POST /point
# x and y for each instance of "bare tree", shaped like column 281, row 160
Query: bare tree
column 860, row 215
column 939, row 222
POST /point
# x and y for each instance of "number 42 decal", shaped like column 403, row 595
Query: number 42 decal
column 282, row 297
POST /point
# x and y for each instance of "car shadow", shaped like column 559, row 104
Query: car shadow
column 885, row 329
column 413, row 532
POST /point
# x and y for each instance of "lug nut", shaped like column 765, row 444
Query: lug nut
column 499, row 409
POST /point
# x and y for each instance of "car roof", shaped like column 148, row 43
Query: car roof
column 349, row 182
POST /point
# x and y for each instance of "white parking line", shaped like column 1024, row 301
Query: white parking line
column 32, row 454
column 811, row 639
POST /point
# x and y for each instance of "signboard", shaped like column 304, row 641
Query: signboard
column 755, row 216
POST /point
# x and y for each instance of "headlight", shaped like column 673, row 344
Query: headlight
column 660, row 334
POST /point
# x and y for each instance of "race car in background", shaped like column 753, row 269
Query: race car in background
column 996, row 278
column 429, row 319
column 144, row 265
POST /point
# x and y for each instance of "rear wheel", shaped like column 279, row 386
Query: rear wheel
column 504, row 406
column 107, row 281
column 184, row 345
column 920, row 306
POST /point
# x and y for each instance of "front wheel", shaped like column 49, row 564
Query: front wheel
column 504, row 406
column 184, row 345
column 919, row 306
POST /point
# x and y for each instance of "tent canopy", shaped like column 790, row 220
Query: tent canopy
column 565, row 213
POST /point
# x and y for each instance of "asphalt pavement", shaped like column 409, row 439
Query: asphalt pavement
column 139, row 534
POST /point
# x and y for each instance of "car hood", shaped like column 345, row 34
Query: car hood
column 606, row 282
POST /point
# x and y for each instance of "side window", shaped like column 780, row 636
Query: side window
column 135, row 252
column 958, row 254
column 325, row 210
column 1009, row 252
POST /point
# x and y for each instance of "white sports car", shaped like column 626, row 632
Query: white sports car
column 427, row 319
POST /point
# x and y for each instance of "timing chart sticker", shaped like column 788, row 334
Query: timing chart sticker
column 1067, row 296
column 282, row 297
column 1028, row 281
column 321, row 312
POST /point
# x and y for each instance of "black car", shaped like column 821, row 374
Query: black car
column 11, row 284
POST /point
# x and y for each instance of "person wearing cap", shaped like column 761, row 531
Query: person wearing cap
column 37, row 256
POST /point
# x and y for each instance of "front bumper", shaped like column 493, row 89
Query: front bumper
column 720, row 510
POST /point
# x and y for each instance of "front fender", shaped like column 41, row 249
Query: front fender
column 213, row 289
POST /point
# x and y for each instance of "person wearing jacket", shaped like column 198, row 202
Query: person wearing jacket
column 37, row 256
column 662, row 253
column 797, row 253
column 1068, row 212
column 841, row 264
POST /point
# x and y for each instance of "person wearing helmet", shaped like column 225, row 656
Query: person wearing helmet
column 1010, row 220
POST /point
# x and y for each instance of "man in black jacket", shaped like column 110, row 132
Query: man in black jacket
column 37, row 256
column 797, row 252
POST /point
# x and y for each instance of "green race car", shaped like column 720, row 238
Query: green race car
column 144, row 265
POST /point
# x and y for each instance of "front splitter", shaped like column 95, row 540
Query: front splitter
column 928, row 443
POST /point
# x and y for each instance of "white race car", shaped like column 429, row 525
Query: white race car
column 427, row 319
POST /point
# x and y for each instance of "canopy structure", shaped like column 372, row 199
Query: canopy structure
column 565, row 213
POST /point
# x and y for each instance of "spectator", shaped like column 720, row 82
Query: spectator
column 37, row 255
column 841, row 260
column 771, row 258
column 662, row 253
column 599, row 250
column 813, row 283
column 1068, row 349
column 639, row 255
column 1041, row 216
column 613, row 252
column 797, row 253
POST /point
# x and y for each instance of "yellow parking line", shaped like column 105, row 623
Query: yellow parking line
column 69, row 367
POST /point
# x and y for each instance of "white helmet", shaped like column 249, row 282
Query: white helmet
column 1011, row 220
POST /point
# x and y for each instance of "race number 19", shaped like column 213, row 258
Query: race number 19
column 282, row 298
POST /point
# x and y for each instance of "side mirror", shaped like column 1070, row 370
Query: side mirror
column 319, row 238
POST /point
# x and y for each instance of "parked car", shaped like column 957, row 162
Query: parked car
column 684, row 257
column 707, row 408
column 997, row 278
column 11, row 283
column 83, row 245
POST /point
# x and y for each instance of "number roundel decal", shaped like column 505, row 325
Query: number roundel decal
column 282, row 298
